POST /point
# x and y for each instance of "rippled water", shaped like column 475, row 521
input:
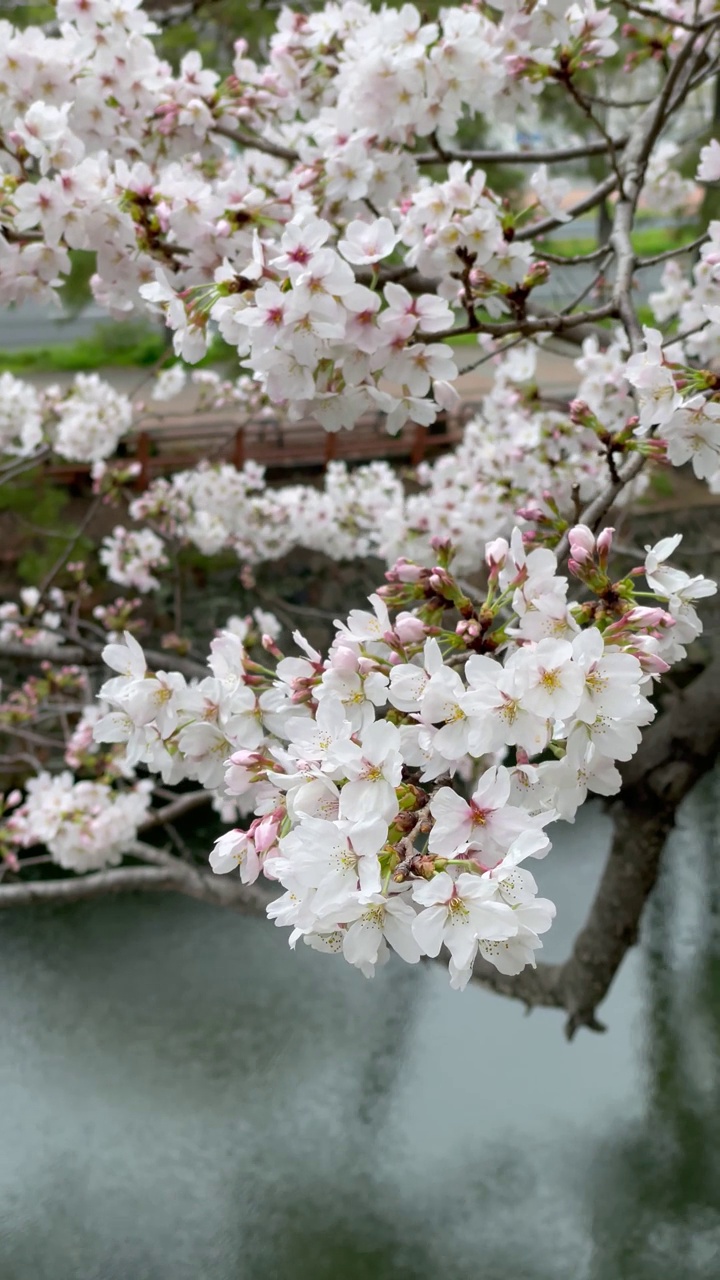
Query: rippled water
column 183, row 1099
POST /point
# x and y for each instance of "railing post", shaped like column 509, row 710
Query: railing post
column 331, row 446
column 142, row 455
column 239, row 449
column 418, row 446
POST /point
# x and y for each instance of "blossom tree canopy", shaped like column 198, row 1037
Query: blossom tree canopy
column 324, row 214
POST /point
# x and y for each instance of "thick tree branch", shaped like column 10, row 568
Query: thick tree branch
column 172, row 876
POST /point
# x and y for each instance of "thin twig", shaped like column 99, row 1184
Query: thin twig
column 671, row 253
column 546, row 155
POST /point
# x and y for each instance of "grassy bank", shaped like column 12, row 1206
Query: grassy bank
column 112, row 345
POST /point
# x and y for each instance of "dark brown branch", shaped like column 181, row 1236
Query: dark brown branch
column 547, row 322
column 635, row 161
column 176, row 809
column 257, row 144
column 646, row 11
column 173, row 876
column 547, row 155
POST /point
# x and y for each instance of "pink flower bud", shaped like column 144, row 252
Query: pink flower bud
column 533, row 514
column 604, row 542
column 579, row 556
column 652, row 663
column 440, row 581
column 365, row 666
column 439, row 543
column 649, row 617
column 580, row 413
column 581, row 539
column 496, row 553
column 469, row 628
column 270, row 646
column 404, row 571
column 264, row 832
column 409, row 629
column 245, row 758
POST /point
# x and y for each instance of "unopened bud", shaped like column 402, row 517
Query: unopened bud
column 409, row 629
column 404, row 571
column 469, row 628
column 581, row 540
column 604, row 543
column 496, row 553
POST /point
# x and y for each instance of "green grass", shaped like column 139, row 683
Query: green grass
column 85, row 353
column 122, row 345
column 646, row 241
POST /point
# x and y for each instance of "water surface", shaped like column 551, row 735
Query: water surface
column 184, row 1099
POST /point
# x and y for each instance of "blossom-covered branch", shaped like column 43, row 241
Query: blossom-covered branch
column 396, row 785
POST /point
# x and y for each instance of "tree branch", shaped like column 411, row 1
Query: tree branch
column 80, row 655
column 589, row 201
column 257, row 144
column 647, row 12
column 172, row 876
column 671, row 253
column 547, row 155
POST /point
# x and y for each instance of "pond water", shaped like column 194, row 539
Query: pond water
column 184, row 1099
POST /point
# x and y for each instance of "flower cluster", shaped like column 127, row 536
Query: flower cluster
column 83, row 423
column 679, row 402
column 346, row 760
column 301, row 249
column 130, row 557
column 694, row 297
column 83, row 825
column 30, row 623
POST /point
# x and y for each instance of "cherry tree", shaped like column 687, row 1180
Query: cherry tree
column 323, row 213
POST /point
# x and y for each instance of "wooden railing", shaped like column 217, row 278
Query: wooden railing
column 164, row 443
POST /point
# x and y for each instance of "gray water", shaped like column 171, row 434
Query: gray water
column 184, row 1099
